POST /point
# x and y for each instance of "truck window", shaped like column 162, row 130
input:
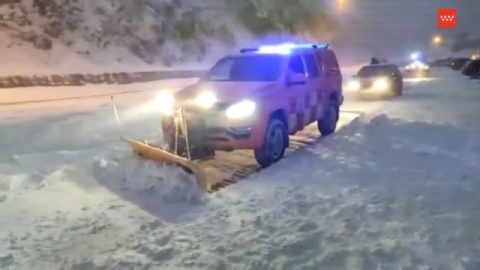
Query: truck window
column 330, row 61
column 312, row 67
column 296, row 64
column 221, row 70
column 319, row 63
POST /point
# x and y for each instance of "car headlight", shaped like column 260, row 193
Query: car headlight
column 165, row 101
column 242, row 109
column 206, row 100
column 380, row 84
column 353, row 85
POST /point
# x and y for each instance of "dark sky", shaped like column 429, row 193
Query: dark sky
column 386, row 26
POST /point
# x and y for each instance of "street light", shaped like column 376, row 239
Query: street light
column 340, row 5
column 414, row 56
column 437, row 40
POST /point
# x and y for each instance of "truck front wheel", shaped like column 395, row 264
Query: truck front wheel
column 274, row 145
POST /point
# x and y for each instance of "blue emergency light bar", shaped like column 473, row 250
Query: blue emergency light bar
column 284, row 48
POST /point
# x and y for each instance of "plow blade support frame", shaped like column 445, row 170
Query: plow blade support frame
column 149, row 152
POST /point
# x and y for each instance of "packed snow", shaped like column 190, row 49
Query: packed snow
column 395, row 189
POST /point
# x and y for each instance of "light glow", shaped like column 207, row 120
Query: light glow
column 287, row 48
column 380, row 84
column 280, row 49
column 206, row 100
column 417, row 65
column 240, row 110
column 415, row 56
column 165, row 102
column 353, row 85
column 437, row 40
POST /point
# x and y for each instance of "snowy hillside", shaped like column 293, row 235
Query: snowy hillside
column 396, row 189
column 51, row 36
column 74, row 36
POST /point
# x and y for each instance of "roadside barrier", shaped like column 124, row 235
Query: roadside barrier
column 104, row 78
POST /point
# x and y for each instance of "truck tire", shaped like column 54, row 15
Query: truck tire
column 274, row 145
column 328, row 123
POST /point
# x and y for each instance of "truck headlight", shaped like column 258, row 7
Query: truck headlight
column 242, row 109
column 380, row 84
column 353, row 85
column 165, row 101
column 206, row 100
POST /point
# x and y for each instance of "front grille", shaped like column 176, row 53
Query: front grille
column 217, row 130
column 366, row 84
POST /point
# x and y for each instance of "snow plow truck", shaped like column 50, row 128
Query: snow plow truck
column 252, row 100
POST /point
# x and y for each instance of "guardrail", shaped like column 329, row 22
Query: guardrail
column 104, row 78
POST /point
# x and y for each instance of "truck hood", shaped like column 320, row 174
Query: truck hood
column 227, row 92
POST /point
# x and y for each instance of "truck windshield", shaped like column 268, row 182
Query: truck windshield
column 247, row 68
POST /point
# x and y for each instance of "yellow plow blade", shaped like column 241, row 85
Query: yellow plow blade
column 159, row 155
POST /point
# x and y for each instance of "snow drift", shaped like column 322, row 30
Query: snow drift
column 382, row 193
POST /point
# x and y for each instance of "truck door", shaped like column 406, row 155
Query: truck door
column 313, row 98
column 296, row 94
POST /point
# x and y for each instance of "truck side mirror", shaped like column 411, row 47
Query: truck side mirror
column 296, row 78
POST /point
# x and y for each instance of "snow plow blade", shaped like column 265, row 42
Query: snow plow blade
column 149, row 152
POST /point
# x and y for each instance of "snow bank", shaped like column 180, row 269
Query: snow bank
column 166, row 183
column 383, row 192
column 360, row 209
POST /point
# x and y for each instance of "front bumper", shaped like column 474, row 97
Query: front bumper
column 370, row 92
column 219, row 132
column 369, row 89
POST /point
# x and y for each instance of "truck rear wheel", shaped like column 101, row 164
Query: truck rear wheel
column 274, row 145
column 328, row 123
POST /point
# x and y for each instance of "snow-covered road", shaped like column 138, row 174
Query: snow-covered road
column 39, row 102
column 396, row 189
